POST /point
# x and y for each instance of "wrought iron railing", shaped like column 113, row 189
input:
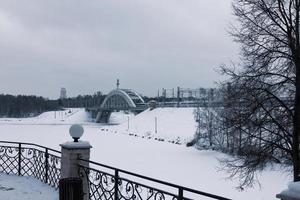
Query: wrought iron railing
column 109, row 183
column 105, row 182
column 27, row 159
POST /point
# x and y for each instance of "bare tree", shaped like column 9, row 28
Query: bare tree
column 259, row 128
column 265, row 110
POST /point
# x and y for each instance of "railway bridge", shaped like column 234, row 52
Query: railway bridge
column 116, row 100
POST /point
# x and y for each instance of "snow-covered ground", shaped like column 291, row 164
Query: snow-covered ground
column 67, row 116
column 162, row 160
column 117, row 118
column 176, row 125
column 25, row 188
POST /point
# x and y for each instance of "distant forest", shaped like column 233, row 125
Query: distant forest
column 30, row 106
column 25, row 106
column 82, row 101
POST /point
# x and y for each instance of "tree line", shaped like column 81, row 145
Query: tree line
column 83, row 101
column 25, row 106
column 30, row 105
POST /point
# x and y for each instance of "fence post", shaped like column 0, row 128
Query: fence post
column 46, row 165
column 180, row 194
column 116, row 185
column 71, row 151
column 19, row 160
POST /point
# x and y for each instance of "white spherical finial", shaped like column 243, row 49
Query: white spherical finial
column 76, row 131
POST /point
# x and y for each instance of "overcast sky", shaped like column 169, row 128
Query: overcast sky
column 85, row 46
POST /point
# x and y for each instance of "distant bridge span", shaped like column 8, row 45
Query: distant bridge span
column 116, row 100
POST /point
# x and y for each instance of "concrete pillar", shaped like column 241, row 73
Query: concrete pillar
column 71, row 151
column 98, row 117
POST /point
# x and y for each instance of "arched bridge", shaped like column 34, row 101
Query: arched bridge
column 119, row 99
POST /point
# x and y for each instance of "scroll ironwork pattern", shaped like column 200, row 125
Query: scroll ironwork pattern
column 101, row 184
column 133, row 190
column 102, row 187
column 105, row 183
column 27, row 159
column 9, row 159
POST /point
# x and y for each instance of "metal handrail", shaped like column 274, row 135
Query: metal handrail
column 154, row 180
column 116, row 170
column 90, row 168
column 31, row 144
column 46, row 170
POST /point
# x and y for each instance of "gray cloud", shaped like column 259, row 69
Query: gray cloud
column 86, row 45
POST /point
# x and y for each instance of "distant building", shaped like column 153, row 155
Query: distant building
column 63, row 93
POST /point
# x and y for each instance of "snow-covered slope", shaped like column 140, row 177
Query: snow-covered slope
column 120, row 117
column 67, row 116
column 170, row 124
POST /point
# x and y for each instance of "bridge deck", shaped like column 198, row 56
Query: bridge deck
column 140, row 108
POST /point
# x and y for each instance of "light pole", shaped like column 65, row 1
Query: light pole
column 155, row 120
column 127, row 123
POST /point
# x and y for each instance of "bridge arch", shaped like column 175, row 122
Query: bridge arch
column 120, row 99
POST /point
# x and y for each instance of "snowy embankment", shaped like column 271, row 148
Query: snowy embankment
column 175, row 125
column 67, row 116
column 161, row 160
column 26, row 188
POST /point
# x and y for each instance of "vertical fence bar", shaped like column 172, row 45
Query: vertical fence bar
column 19, row 159
column 116, row 184
column 180, row 193
column 46, row 165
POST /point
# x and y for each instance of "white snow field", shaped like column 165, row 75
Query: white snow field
column 67, row 116
column 25, row 188
column 176, row 125
column 161, row 160
column 117, row 118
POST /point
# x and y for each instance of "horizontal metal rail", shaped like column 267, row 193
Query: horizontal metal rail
column 29, row 159
column 159, row 190
column 31, row 144
column 182, row 188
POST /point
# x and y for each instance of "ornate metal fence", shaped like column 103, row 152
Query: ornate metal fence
column 109, row 183
column 105, row 182
column 27, row 159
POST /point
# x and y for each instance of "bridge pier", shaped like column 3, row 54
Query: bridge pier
column 98, row 116
column 103, row 116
